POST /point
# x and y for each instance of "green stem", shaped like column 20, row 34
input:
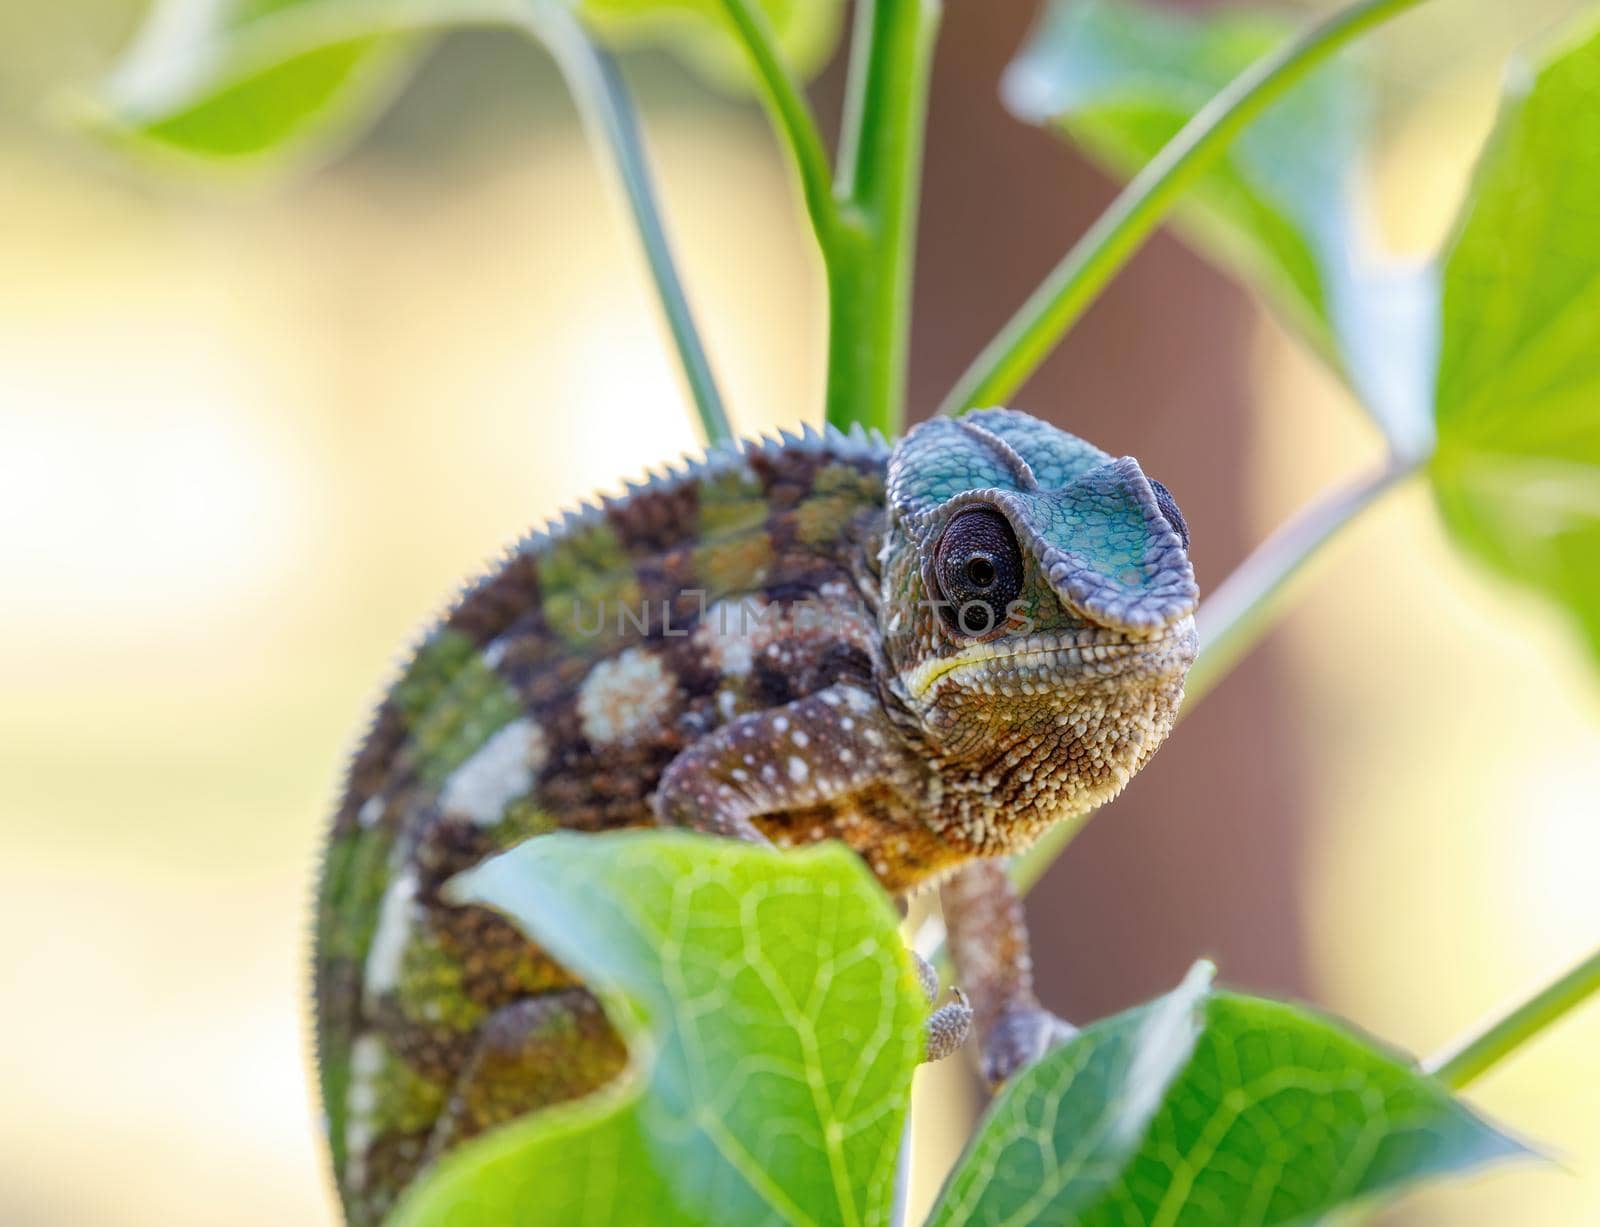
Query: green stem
column 596, row 84
column 1240, row 612
column 597, row 87
column 791, row 113
column 1476, row 1055
column 1250, row 601
column 1074, row 284
column 879, row 173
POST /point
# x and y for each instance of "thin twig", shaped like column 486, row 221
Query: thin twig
column 1479, row 1053
column 597, row 87
column 1244, row 607
column 791, row 112
column 1074, row 284
column 1247, row 603
column 876, row 186
column 901, row 1205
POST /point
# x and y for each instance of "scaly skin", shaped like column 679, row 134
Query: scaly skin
column 931, row 654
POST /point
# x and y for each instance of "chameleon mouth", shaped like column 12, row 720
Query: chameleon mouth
column 1040, row 663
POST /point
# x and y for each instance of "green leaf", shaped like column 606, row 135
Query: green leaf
column 1517, row 472
column 250, row 83
column 254, row 83
column 805, row 31
column 1204, row 1110
column 773, row 1021
column 1281, row 208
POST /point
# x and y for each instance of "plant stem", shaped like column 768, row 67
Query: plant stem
column 791, row 113
column 1240, row 612
column 597, row 88
column 602, row 98
column 1479, row 1053
column 879, row 174
column 1074, row 284
column 1250, row 600
column 901, row 1206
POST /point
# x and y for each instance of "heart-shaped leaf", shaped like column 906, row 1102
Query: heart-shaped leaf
column 1517, row 471
column 773, row 1021
column 1209, row 1110
column 1489, row 359
column 1281, row 207
column 253, row 83
column 247, row 83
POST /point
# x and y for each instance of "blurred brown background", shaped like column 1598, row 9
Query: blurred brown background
column 249, row 440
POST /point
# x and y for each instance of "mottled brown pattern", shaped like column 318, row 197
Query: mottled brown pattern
column 539, row 1050
column 506, row 596
column 432, row 1051
column 581, row 785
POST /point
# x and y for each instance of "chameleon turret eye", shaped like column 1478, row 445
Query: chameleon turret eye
column 979, row 569
column 1170, row 512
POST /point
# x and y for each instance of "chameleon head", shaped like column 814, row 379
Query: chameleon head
column 1037, row 618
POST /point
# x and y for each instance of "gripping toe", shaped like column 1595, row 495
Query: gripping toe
column 948, row 1027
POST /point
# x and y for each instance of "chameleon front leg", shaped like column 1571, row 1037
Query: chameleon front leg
column 817, row 749
column 820, row 748
column 988, row 942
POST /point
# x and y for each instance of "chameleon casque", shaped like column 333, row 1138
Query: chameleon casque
column 931, row 652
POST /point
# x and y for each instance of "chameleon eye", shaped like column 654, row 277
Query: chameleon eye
column 1170, row 512
column 979, row 568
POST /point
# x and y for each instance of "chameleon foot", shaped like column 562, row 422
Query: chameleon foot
column 948, row 1027
column 1020, row 1037
column 926, row 976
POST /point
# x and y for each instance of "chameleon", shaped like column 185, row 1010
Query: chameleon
column 931, row 651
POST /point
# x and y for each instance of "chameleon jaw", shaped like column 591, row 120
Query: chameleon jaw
column 1083, row 654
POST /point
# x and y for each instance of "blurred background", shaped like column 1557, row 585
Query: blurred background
column 248, row 441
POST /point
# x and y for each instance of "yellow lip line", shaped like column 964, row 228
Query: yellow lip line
column 925, row 676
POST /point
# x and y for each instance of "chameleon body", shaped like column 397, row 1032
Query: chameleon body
column 931, row 652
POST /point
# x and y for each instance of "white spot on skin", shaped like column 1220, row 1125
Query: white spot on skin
column 798, row 770
column 396, row 915
column 366, row 1063
column 361, row 1103
column 726, row 635
column 502, row 770
column 625, row 698
column 370, row 812
column 858, row 701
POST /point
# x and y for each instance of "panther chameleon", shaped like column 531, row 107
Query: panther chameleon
column 932, row 652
